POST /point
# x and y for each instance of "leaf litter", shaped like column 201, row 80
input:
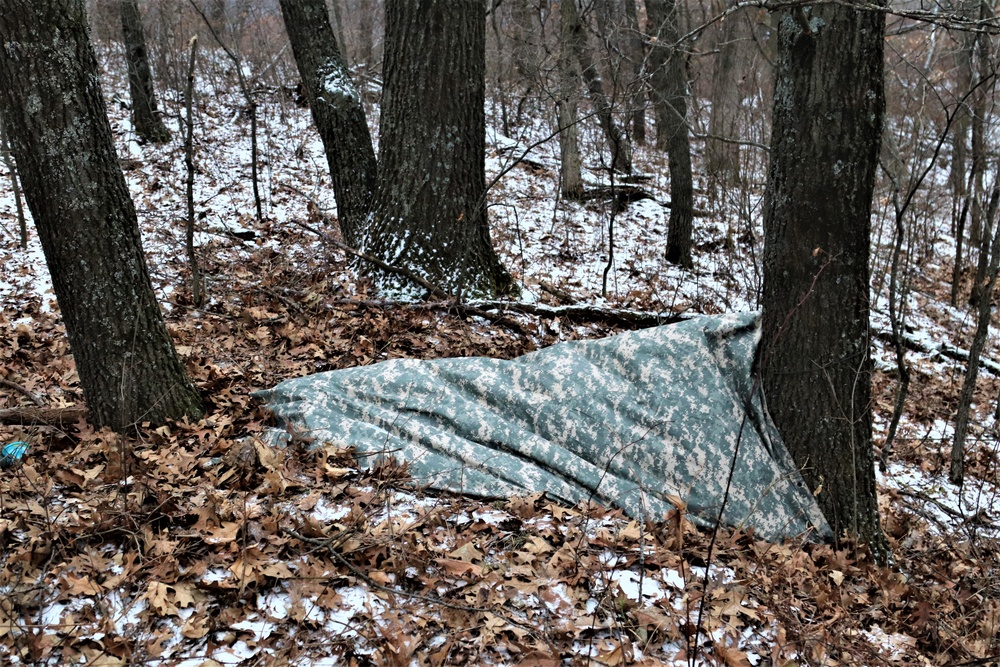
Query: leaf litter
column 195, row 544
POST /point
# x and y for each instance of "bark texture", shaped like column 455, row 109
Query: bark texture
column 337, row 110
column 430, row 213
column 828, row 110
column 85, row 219
column 669, row 84
column 145, row 116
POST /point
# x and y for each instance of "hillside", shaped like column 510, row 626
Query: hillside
column 196, row 544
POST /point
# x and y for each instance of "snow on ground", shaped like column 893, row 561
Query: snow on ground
column 543, row 239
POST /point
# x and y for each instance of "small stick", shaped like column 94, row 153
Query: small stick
column 10, row 384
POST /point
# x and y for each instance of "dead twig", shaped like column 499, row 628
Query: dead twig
column 10, row 384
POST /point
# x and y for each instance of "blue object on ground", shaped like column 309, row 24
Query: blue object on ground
column 12, row 453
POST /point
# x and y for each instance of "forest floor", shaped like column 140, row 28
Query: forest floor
column 196, row 544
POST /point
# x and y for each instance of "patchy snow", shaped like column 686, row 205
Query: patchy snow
column 551, row 246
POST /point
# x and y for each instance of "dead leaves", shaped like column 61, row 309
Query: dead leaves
column 167, row 599
column 178, row 541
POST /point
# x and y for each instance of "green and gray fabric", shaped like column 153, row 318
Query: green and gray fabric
column 628, row 421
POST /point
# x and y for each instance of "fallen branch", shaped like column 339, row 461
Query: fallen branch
column 979, row 518
column 23, row 390
column 583, row 313
column 637, row 319
column 944, row 349
column 483, row 308
column 562, row 295
column 51, row 416
column 624, row 194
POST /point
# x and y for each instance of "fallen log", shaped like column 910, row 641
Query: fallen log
column 52, row 416
column 943, row 349
column 638, row 319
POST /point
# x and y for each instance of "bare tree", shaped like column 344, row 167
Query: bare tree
column 618, row 144
column 197, row 293
column 618, row 26
column 145, row 116
column 669, row 82
column 984, row 309
column 570, row 177
column 722, row 150
column 246, row 89
column 337, row 111
column 85, row 219
column 984, row 70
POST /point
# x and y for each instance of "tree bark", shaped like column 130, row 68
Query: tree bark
column 337, row 110
column 669, row 83
column 85, row 219
column 827, row 126
column 145, row 117
column 430, row 213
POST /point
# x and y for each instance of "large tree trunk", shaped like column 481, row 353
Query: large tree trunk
column 669, row 83
column 828, row 110
column 430, row 210
column 85, row 219
column 337, row 110
column 621, row 151
column 145, row 117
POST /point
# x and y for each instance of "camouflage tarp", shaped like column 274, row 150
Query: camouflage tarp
column 628, row 421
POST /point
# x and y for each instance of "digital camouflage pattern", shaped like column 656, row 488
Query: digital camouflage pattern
column 627, row 421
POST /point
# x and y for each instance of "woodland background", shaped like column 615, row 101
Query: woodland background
column 192, row 543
